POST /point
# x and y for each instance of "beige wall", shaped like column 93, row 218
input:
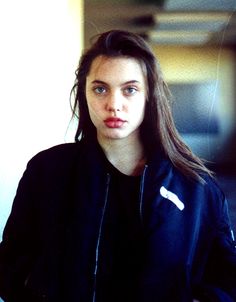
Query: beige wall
column 41, row 42
column 196, row 64
column 76, row 17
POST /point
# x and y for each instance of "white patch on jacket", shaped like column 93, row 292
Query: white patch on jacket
column 172, row 197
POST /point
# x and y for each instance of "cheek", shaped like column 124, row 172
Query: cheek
column 139, row 108
column 91, row 108
column 95, row 111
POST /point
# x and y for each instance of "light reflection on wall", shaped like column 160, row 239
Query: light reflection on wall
column 40, row 47
column 214, row 68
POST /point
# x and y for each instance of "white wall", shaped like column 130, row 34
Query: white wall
column 40, row 47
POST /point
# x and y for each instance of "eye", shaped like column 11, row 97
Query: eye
column 99, row 90
column 130, row 90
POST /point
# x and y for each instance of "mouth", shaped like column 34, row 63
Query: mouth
column 114, row 122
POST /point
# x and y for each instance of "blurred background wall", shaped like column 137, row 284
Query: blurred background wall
column 210, row 73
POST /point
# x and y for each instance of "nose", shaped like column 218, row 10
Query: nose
column 114, row 102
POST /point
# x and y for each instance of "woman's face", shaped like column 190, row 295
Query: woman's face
column 116, row 96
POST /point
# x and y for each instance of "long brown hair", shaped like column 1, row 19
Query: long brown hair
column 158, row 128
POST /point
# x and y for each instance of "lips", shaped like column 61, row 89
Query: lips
column 114, row 122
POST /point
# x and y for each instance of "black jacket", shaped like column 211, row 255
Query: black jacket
column 51, row 243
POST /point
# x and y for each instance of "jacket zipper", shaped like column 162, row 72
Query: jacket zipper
column 99, row 236
column 141, row 194
column 102, row 219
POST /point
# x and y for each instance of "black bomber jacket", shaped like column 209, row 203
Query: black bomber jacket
column 51, row 245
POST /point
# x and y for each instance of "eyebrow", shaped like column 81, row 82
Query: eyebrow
column 125, row 83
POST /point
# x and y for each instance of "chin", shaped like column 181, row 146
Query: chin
column 117, row 134
column 114, row 134
column 115, row 137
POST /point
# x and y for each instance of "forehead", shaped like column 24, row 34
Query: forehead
column 115, row 68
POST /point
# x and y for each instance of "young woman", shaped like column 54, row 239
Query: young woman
column 127, row 212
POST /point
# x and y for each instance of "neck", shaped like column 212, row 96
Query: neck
column 127, row 154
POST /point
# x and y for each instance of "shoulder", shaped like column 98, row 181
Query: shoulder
column 205, row 194
column 212, row 187
column 57, row 151
column 56, row 158
column 63, row 158
column 206, row 187
column 60, row 165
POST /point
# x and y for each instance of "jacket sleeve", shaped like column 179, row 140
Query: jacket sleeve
column 220, row 274
column 18, row 245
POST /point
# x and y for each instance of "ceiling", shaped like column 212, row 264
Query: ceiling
column 165, row 22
